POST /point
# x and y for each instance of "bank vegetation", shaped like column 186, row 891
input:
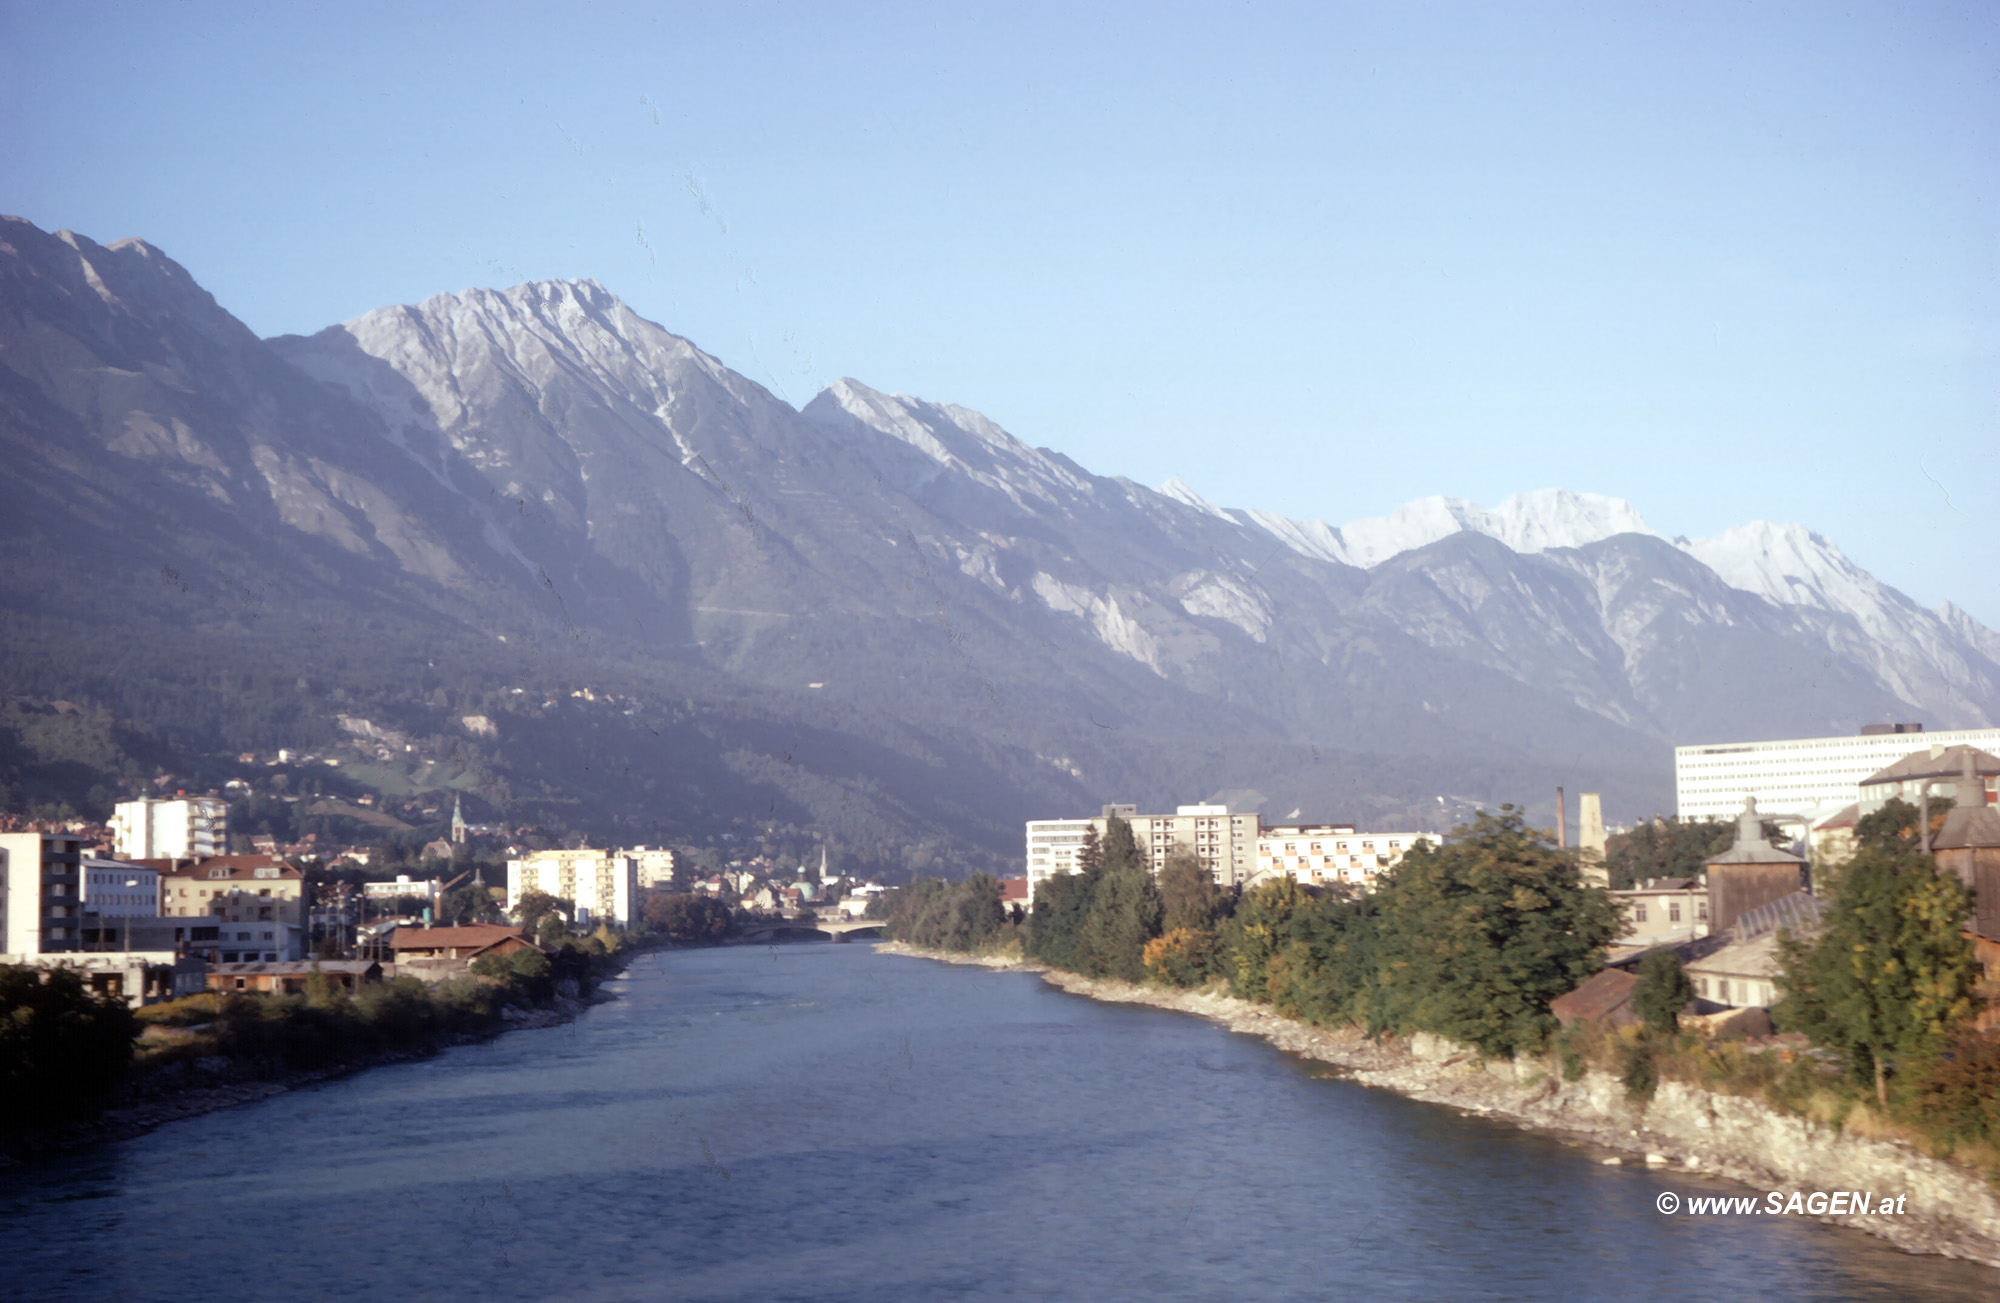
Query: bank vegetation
column 1470, row 941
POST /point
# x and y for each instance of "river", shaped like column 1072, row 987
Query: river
column 823, row 1122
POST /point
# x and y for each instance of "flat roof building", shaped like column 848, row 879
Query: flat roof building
column 1223, row 843
column 1808, row 777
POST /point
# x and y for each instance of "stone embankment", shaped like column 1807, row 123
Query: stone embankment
column 1949, row 1211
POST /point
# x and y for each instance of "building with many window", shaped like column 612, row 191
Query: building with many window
column 41, row 894
column 1324, row 854
column 1801, row 777
column 603, row 885
column 180, row 828
column 1223, row 843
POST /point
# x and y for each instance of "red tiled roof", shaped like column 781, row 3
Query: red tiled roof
column 440, row 938
column 1012, row 889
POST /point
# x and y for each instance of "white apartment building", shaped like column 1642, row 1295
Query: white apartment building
column 654, row 863
column 115, row 889
column 603, row 884
column 1802, row 777
column 41, row 894
column 181, row 828
column 1223, row 843
column 1318, row 854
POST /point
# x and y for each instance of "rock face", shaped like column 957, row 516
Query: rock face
column 541, row 464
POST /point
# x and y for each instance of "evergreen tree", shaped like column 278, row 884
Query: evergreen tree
column 1124, row 910
column 1891, row 971
column 1062, row 902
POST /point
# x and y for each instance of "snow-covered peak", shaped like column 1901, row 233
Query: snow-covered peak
column 1526, row 522
column 1789, row 564
column 541, row 337
column 1178, row 490
column 955, row 440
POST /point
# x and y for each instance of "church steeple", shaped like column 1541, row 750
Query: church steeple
column 458, row 829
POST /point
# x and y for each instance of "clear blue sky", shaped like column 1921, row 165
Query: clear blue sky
column 1729, row 261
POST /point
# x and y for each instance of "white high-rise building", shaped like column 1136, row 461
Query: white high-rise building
column 41, row 894
column 601, row 884
column 183, row 827
column 1808, row 777
column 1223, row 843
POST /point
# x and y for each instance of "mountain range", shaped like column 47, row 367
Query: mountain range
column 878, row 616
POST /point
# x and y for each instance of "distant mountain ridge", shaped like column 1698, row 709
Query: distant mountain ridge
column 543, row 472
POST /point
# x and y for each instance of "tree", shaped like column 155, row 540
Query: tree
column 691, row 916
column 1669, row 847
column 1261, row 928
column 1662, row 992
column 534, row 907
column 552, row 931
column 1124, row 911
column 1180, row 957
column 471, row 903
column 1477, row 936
column 1890, row 973
column 1062, row 903
column 62, row 1046
column 1189, row 896
column 1894, row 826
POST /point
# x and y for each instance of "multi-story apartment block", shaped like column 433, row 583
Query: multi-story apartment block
column 116, row 889
column 185, row 827
column 602, row 884
column 1807, row 778
column 655, row 864
column 266, row 895
column 41, row 894
column 1223, row 843
column 1333, row 853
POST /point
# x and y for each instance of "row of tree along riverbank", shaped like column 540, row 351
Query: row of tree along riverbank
column 1472, row 940
column 66, row 1053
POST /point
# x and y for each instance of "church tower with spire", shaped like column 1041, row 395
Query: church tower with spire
column 458, row 829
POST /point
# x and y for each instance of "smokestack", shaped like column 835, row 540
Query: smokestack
column 1562, row 819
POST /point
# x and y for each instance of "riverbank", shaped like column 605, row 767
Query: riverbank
column 190, row 1088
column 1950, row 1211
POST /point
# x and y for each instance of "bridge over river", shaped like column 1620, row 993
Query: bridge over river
column 830, row 929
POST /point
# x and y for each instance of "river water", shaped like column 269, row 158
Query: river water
column 823, row 1122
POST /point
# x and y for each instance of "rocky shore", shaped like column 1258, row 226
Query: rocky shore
column 1950, row 1210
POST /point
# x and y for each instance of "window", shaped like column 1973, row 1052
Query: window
column 1673, row 911
column 1639, row 912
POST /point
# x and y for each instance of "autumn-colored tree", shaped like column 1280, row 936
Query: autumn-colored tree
column 1182, row 957
column 1260, row 929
